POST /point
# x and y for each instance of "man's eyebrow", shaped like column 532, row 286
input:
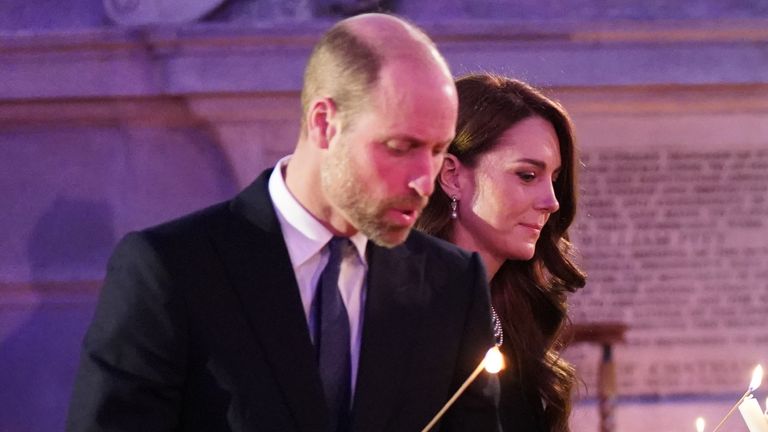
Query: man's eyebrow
column 416, row 141
column 404, row 137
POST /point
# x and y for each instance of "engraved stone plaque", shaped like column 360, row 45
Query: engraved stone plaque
column 675, row 242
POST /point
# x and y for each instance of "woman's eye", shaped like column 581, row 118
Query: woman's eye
column 527, row 176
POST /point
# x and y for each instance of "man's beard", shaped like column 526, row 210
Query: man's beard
column 343, row 189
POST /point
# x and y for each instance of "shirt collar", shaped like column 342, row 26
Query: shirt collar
column 304, row 235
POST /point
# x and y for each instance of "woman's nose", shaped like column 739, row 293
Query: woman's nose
column 548, row 200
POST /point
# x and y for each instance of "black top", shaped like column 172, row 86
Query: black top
column 520, row 408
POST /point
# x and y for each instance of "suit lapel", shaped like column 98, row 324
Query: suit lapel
column 262, row 275
column 395, row 299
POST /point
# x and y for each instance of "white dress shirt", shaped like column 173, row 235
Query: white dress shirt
column 306, row 239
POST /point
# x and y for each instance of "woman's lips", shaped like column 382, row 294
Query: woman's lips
column 534, row 227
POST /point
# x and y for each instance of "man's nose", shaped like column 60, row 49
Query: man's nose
column 423, row 185
column 423, row 178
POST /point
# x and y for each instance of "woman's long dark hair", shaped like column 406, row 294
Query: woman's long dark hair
column 529, row 296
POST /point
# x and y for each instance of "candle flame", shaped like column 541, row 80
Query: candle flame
column 757, row 378
column 494, row 361
column 700, row 423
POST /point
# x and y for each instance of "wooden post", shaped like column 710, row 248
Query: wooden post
column 605, row 335
column 606, row 383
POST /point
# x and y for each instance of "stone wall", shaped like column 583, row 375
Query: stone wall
column 670, row 236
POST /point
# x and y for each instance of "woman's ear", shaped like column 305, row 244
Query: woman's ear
column 322, row 119
column 449, row 175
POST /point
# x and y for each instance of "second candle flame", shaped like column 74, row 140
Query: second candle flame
column 700, row 424
column 757, row 378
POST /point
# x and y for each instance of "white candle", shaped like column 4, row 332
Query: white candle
column 753, row 415
column 766, row 409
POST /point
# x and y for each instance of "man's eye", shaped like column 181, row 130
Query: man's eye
column 439, row 151
column 398, row 146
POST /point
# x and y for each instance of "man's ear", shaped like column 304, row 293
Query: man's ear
column 449, row 175
column 322, row 121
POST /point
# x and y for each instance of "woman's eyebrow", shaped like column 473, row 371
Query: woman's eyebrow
column 536, row 162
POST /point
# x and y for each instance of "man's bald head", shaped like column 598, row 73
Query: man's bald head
column 346, row 62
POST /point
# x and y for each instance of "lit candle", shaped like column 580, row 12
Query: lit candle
column 753, row 415
column 493, row 362
column 757, row 379
column 700, row 424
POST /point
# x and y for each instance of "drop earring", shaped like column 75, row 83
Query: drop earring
column 454, row 206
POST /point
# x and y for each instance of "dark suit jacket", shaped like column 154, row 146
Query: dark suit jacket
column 200, row 327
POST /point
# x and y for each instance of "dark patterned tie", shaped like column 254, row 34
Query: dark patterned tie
column 332, row 338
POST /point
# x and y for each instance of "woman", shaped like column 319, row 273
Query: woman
column 507, row 190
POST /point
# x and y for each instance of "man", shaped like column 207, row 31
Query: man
column 274, row 311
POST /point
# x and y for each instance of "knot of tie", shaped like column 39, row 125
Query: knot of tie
column 336, row 246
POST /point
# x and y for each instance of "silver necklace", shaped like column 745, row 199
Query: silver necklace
column 498, row 332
